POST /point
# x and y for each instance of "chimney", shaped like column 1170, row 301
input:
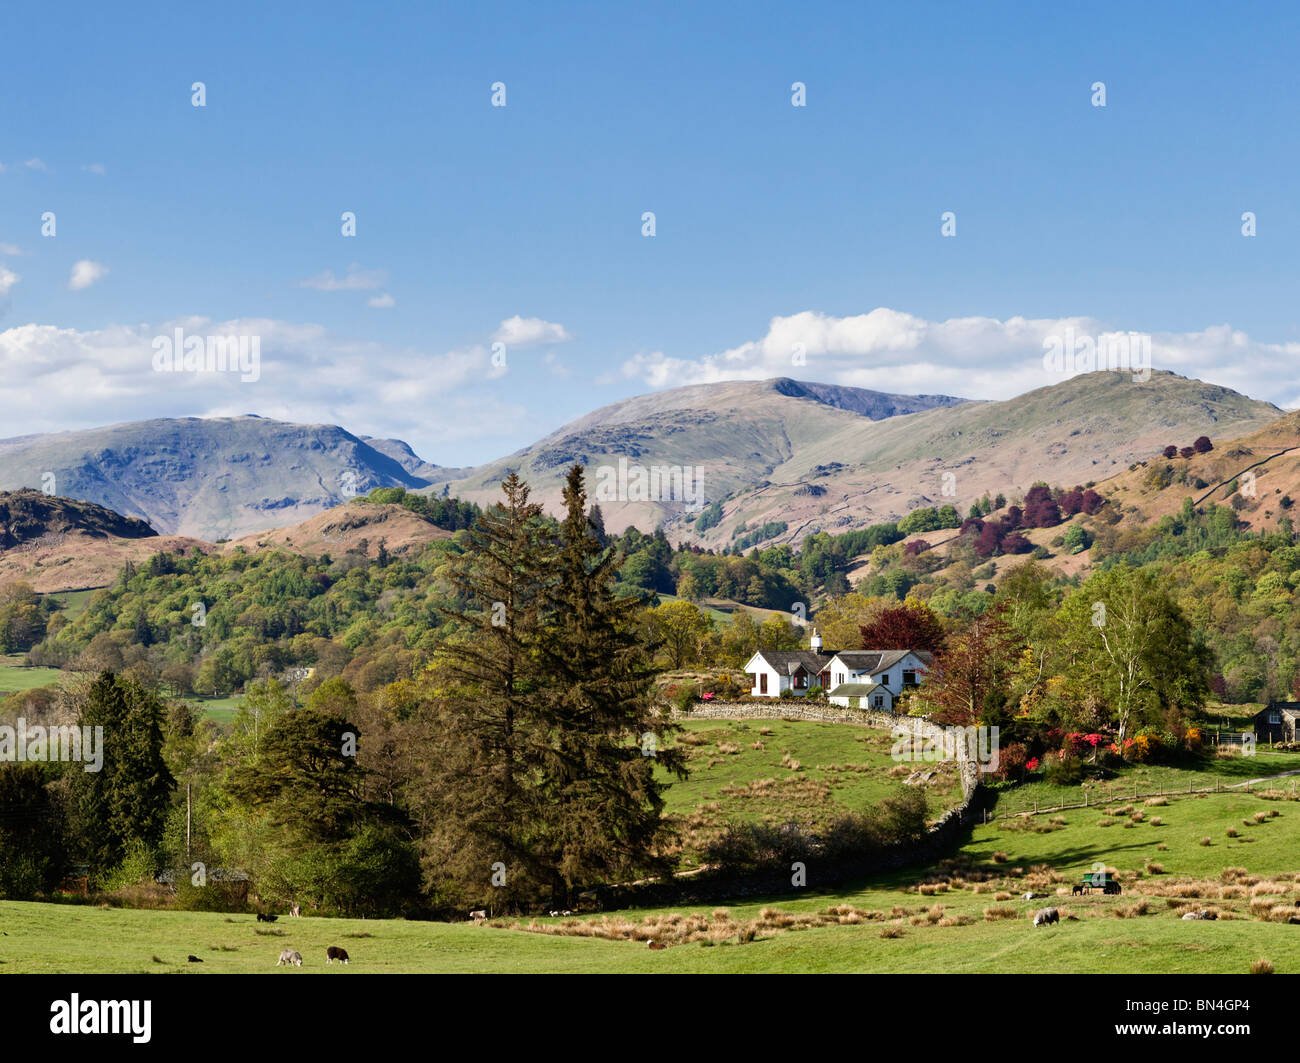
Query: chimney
column 815, row 644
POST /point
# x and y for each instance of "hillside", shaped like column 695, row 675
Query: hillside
column 738, row 433
column 57, row 554
column 1156, row 487
column 345, row 528
column 29, row 517
column 1085, row 429
column 59, row 544
column 814, row 457
column 213, row 478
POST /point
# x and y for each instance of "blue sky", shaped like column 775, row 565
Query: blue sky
column 771, row 220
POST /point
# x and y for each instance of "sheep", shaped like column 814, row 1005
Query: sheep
column 335, row 953
column 262, row 917
column 193, row 959
column 478, row 915
column 290, row 957
column 1047, row 916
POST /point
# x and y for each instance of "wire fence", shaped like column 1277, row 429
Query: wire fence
column 1038, row 806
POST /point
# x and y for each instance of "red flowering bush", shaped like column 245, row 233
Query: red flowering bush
column 1013, row 761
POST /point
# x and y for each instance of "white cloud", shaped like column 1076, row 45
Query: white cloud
column 85, row 273
column 53, row 379
column 381, row 302
column 36, row 164
column 97, row 168
column 555, row 367
column 355, row 280
column 974, row 357
column 522, row 332
column 10, row 249
column 7, row 281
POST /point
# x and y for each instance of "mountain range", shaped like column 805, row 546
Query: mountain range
column 808, row 456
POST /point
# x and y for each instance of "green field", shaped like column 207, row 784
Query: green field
column 959, row 937
column 74, row 602
column 965, row 913
column 803, row 770
column 1224, row 771
column 219, row 710
column 15, row 677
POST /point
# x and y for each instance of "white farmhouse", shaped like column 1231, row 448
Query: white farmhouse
column 873, row 679
column 864, row 679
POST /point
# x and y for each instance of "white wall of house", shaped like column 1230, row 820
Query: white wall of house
column 776, row 682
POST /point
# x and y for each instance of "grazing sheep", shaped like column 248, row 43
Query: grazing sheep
column 556, row 915
column 1046, row 916
column 478, row 915
column 288, row 956
column 264, row 918
column 295, row 911
column 657, row 944
column 194, row 959
column 335, row 953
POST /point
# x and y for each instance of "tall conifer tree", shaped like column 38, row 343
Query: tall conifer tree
column 604, row 802
column 479, row 801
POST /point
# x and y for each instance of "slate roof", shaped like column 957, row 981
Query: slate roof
column 789, row 661
column 854, row 690
column 872, row 661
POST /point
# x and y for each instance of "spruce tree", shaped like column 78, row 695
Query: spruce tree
column 603, row 802
column 478, row 800
column 125, row 801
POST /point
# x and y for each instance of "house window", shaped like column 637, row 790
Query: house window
column 909, row 677
column 762, row 682
column 878, row 702
column 1274, row 717
column 800, row 681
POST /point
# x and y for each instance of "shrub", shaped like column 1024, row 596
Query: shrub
column 1013, row 761
column 685, row 697
column 1261, row 967
column 1064, row 770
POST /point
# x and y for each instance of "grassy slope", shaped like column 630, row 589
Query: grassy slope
column 841, row 769
column 49, row 938
column 46, row 937
column 15, row 677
